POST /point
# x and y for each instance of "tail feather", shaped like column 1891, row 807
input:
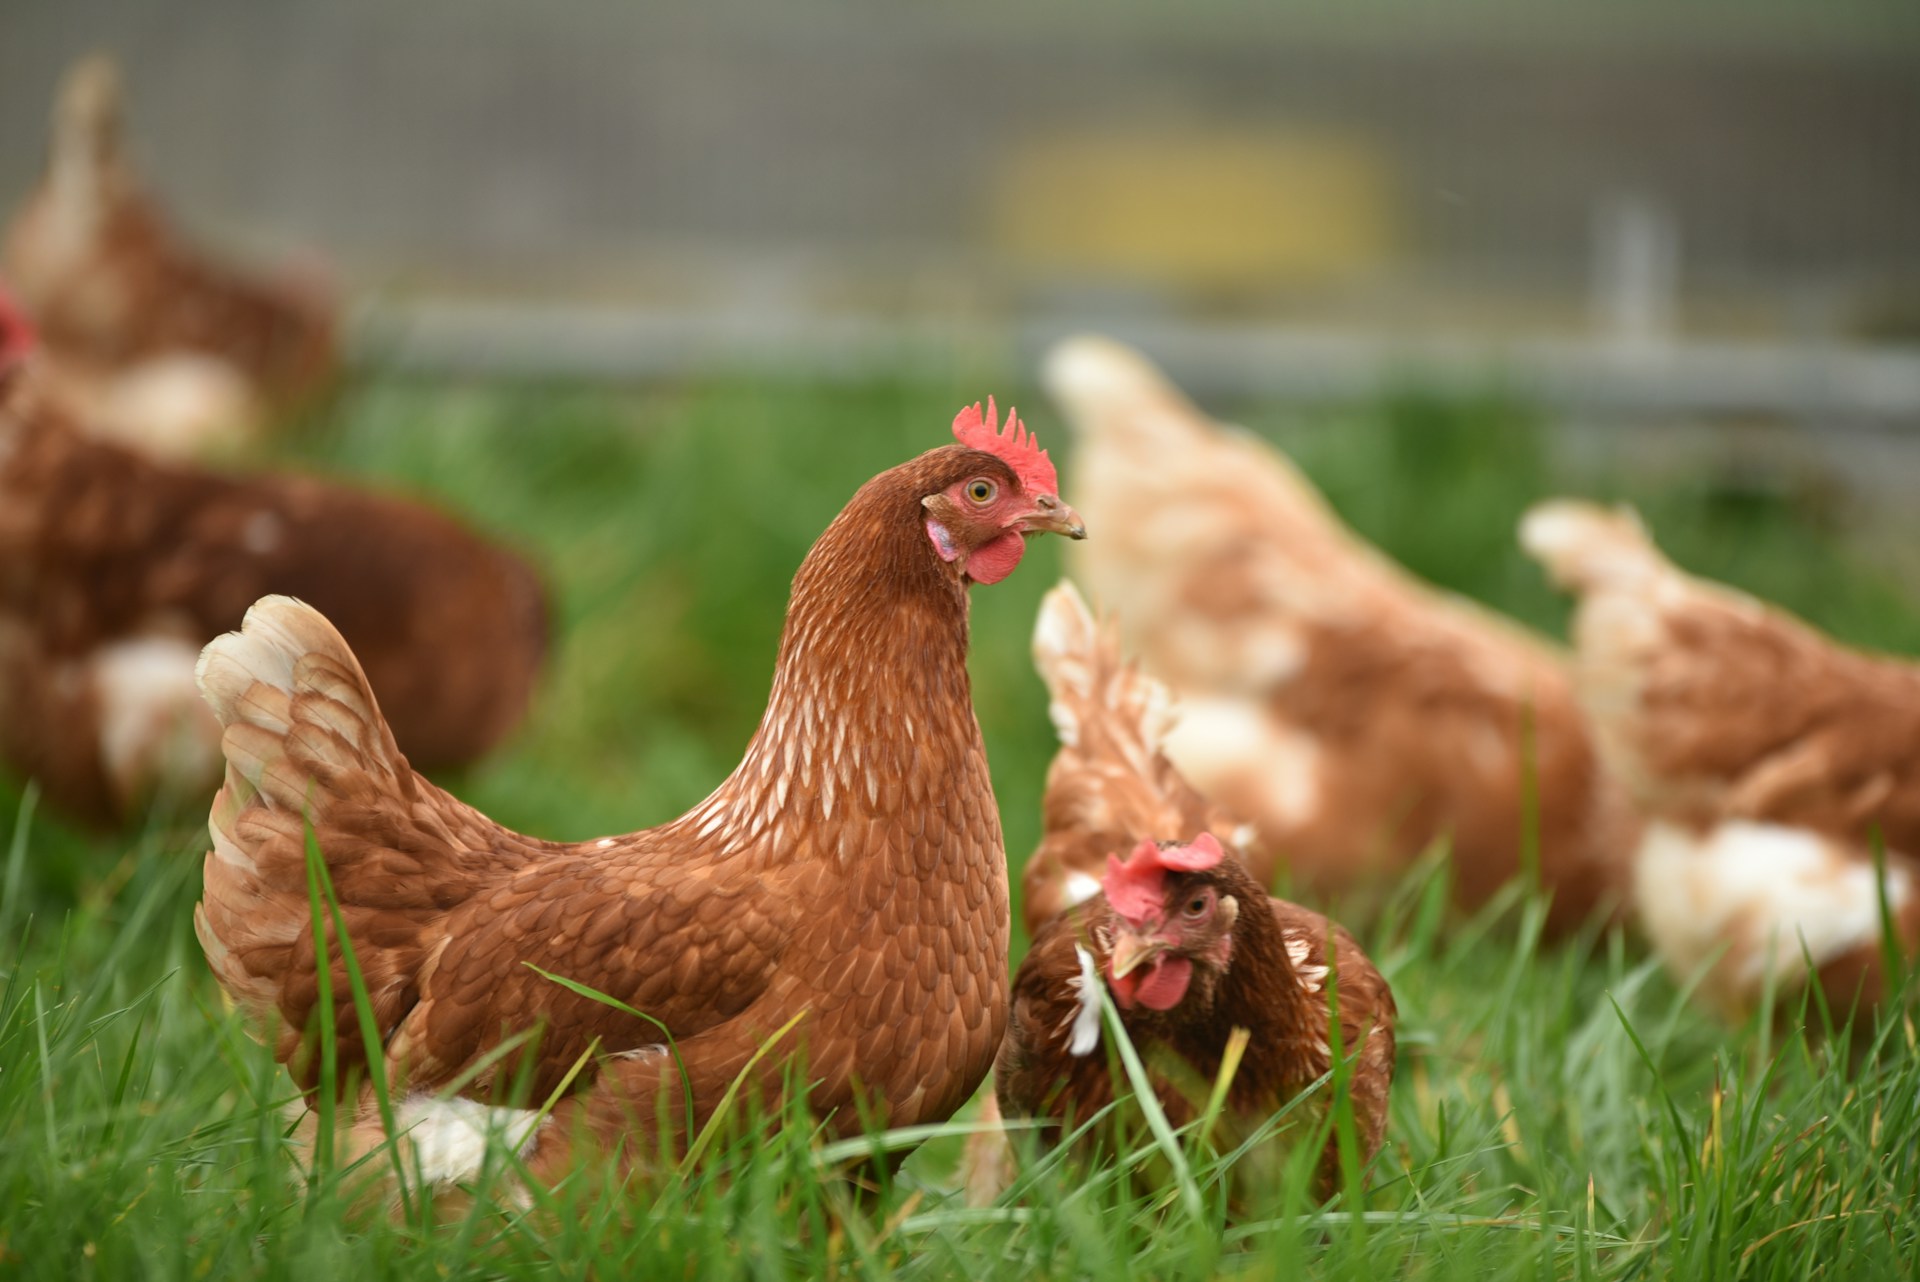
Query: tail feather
column 1095, row 378
column 306, row 750
column 1087, row 678
column 1585, row 547
column 288, row 679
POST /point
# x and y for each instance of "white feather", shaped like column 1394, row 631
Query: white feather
column 1086, row 1020
column 449, row 1137
column 1080, row 887
column 1760, row 891
column 154, row 730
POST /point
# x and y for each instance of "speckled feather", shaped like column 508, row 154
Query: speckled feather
column 103, row 548
column 850, row 868
column 1353, row 714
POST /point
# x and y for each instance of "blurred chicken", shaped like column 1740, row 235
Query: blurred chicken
column 1353, row 714
column 115, row 570
column 1766, row 756
column 150, row 342
column 849, row 874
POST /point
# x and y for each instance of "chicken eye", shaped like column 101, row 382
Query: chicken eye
column 1199, row 904
column 981, row 490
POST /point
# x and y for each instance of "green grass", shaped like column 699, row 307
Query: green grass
column 1559, row 1112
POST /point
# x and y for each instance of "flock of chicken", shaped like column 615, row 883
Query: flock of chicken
column 1269, row 695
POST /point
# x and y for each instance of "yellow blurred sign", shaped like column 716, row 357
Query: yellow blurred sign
column 1205, row 208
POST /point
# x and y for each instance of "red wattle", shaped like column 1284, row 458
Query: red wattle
column 992, row 562
column 1165, row 984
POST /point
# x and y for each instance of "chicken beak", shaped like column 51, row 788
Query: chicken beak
column 1051, row 516
column 1131, row 952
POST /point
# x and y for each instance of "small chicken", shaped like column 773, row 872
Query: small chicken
column 1766, row 756
column 116, row 569
column 1192, row 948
column 849, row 874
column 151, row 343
column 1353, row 714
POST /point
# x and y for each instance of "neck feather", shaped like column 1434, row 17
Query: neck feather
column 871, row 708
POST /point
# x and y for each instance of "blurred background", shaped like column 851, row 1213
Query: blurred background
column 1435, row 184
column 621, row 276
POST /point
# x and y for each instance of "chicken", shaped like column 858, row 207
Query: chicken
column 116, row 569
column 1353, row 714
column 152, row 343
column 1245, row 961
column 1766, row 757
column 1192, row 948
column 849, row 874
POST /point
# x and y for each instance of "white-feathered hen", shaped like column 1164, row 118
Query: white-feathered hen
column 1765, row 753
column 1352, row 713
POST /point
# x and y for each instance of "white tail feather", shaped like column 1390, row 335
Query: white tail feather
column 1584, row 546
column 1081, row 665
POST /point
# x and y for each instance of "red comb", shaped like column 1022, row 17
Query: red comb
column 1020, row 450
column 1134, row 888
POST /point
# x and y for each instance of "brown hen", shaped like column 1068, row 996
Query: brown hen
column 1767, row 756
column 1192, row 948
column 1351, row 713
column 115, row 569
column 849, row 872
column 151, row 342
column 1111, row 789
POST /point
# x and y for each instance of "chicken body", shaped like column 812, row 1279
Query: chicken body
column 849, row 872
column 1351, row 713
column 115, row 569
column 1256, row 963
column 153, row 343
column 1766, row 754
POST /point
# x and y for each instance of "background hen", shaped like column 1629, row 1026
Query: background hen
column 151, row 341
column 849, row 871
column 1353, row 714
column 1768, row 755
column 115, row 569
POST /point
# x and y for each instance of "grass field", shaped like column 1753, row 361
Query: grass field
column 1559, row 1112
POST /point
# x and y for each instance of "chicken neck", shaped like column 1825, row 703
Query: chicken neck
column 870, row 717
